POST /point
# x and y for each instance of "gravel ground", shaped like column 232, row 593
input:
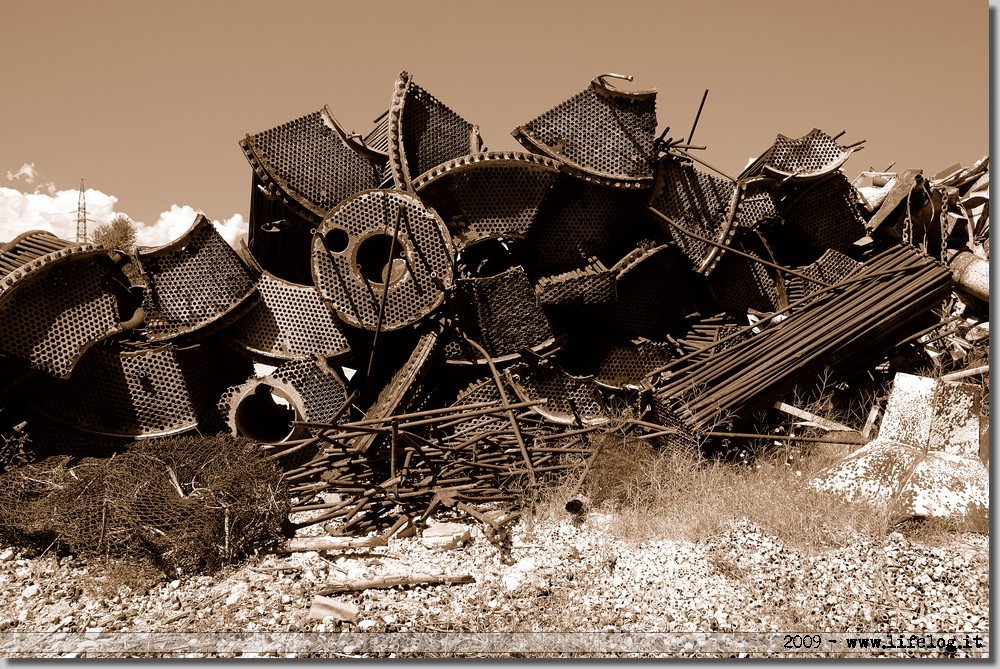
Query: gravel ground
column 556, row 577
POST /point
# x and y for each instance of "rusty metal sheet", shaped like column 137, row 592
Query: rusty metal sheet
column 601, row 134
column 501, row 314
column 264, row 408
column 140, row 393
column 382, row 260
column 488, row 195
column 571, row 399
column 290, row 322
column 696, row 204
column 311, row 163
column 579, row 220
column 815, row 155
column 57, row 299
column 194, row 282
column 823, row 215
column 424, row 133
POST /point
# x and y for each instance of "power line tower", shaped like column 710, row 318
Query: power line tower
column 81, row 216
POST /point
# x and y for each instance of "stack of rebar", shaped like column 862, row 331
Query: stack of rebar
column 847, row 327
column 463, row 456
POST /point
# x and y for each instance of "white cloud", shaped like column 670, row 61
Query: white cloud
column 55, row 211
column 232, row 229
column 26, row 172
column 178, row 219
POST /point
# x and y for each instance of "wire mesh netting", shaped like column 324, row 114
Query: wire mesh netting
column 188, row 503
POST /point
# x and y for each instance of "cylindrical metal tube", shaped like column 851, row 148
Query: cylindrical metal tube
column 971, row 273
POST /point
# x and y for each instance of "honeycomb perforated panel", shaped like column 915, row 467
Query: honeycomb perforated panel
column 351, row 260
column 601, row 134
column 826, row 215
column 484, row 390
column 141, row 393
column 697, row 201
column 815, row 154
column 568, row 396
column 314, row 392
column 831, row 267
column 490, row 194
column 628, row 363
column 757, row 201
column 500, row 314
column 579, row 220
column 312, row 163
column 652, row 295
column 740, row 284
column 290, row 322
column 193, row 282
column 594, row 284
column 57, row 299
column 424, row 133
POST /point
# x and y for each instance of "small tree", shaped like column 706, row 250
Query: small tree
column 119, row 234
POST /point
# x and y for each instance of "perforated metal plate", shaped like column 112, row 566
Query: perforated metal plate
column 627, row 363
column 500, row 314
column 424, row 133
column 351, row 260
column 568, row 396
column 195, row 281
column 831, row 267
column 651, row 294
column 577, row 221
column 697, row 201
column 57, row 299
column 757, row 201
column 141, row 393
column 311, row 163
column 814, row 155
column 290, row 322
column 826, row 215
column 594, row 284
column 601, row 134
column 402, row 386
column 489, row 194
column 739, row 283
column 313, row 391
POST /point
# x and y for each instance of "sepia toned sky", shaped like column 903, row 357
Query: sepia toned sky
column 146, row 101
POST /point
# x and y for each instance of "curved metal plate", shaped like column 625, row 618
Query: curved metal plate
column 311, row 163
column 601, row 134
column 313, row 390
column 569, row 397
column 149, row 392
column 382, row 260
column 697, row 201
column 424, row 133
column 814, row 155
column 290, row 322
column 195, row 281
column 57, row 299
column 489, row 194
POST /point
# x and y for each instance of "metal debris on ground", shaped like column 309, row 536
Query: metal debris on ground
column 416, row 323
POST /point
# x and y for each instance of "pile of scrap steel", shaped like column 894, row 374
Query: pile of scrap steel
column 416, row 322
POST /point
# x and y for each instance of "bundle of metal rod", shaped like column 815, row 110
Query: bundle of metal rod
column 847, row 327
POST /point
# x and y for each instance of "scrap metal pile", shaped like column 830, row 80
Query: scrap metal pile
column 416, row 321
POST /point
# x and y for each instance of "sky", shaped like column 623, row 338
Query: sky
column 146, row 101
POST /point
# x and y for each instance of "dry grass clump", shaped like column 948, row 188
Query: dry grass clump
column 680, row 494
